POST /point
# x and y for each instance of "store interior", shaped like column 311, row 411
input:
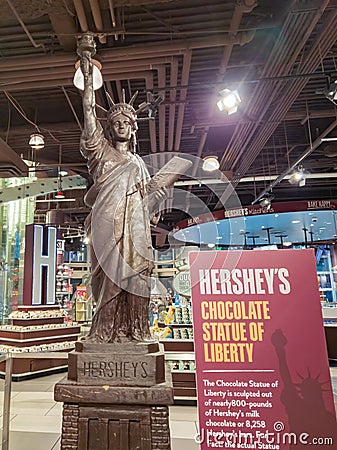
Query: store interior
column 263, row 173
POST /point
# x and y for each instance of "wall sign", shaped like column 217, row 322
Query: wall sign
column 263, row 378
column 40, row 265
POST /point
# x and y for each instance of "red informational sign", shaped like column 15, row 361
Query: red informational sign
column 263, row 377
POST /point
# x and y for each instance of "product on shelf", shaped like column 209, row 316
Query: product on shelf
column 181, row 365
column 64, row 288
column 26, row 313
column 183, row 315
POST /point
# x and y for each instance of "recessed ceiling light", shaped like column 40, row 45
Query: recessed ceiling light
column 295, row 221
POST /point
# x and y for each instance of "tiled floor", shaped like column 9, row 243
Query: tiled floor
column 36, row 418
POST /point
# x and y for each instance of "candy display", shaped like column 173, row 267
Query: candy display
column 36, row 327
column 57, row 346
column 181, row 365
column 38, row 314
column 183, row 333
column 183, row 315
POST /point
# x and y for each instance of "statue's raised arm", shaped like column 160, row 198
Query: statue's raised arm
column 86, row 49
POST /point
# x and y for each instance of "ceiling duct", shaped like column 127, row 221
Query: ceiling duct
column 11, row 165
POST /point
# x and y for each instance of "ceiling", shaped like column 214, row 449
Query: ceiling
column 281, row 56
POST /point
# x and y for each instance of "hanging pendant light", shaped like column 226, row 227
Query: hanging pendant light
column 210, row 163
column 59, row 194
column 36, row 141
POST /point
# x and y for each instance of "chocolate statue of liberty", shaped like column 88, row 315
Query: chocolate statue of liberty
column 118, row 226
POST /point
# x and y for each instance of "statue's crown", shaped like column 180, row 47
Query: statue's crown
column 123, row 108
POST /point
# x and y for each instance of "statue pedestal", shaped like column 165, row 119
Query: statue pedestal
column 116, row 397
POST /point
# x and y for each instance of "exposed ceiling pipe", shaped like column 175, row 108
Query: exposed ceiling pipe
column 110, row 55
column 183, row 94
column 119, row 90
column 306, row 153
column 25, row 29
column 242, row 7
column 81, row 15
column 72, row 108
column 295, row 32
column 172, row 107
column 63, row 71
column 132, row 52
column 161, row 109
column 257, row 179
column 291, row 116
column 322, row 45
column 96, row 13
column 113, row 17
column 152, row 123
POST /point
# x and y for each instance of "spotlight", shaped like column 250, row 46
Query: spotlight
column 36, row 141
column 229, row 101
column 265, row 202
column 298, row 177
column 331, row 91
column 210, row 163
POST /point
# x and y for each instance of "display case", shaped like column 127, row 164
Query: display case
column 81, row 304
column 179, row 354
column 37, row 329
column 326, row 281
column 64, row 288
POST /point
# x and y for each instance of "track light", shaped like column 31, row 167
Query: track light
column 265, row 202
column 331, row 91
column 229, row 101
column 298, row 177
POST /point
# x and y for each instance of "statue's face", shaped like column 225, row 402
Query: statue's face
column 122, row 127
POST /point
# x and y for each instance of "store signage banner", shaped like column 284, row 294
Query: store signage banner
column 263, row 377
